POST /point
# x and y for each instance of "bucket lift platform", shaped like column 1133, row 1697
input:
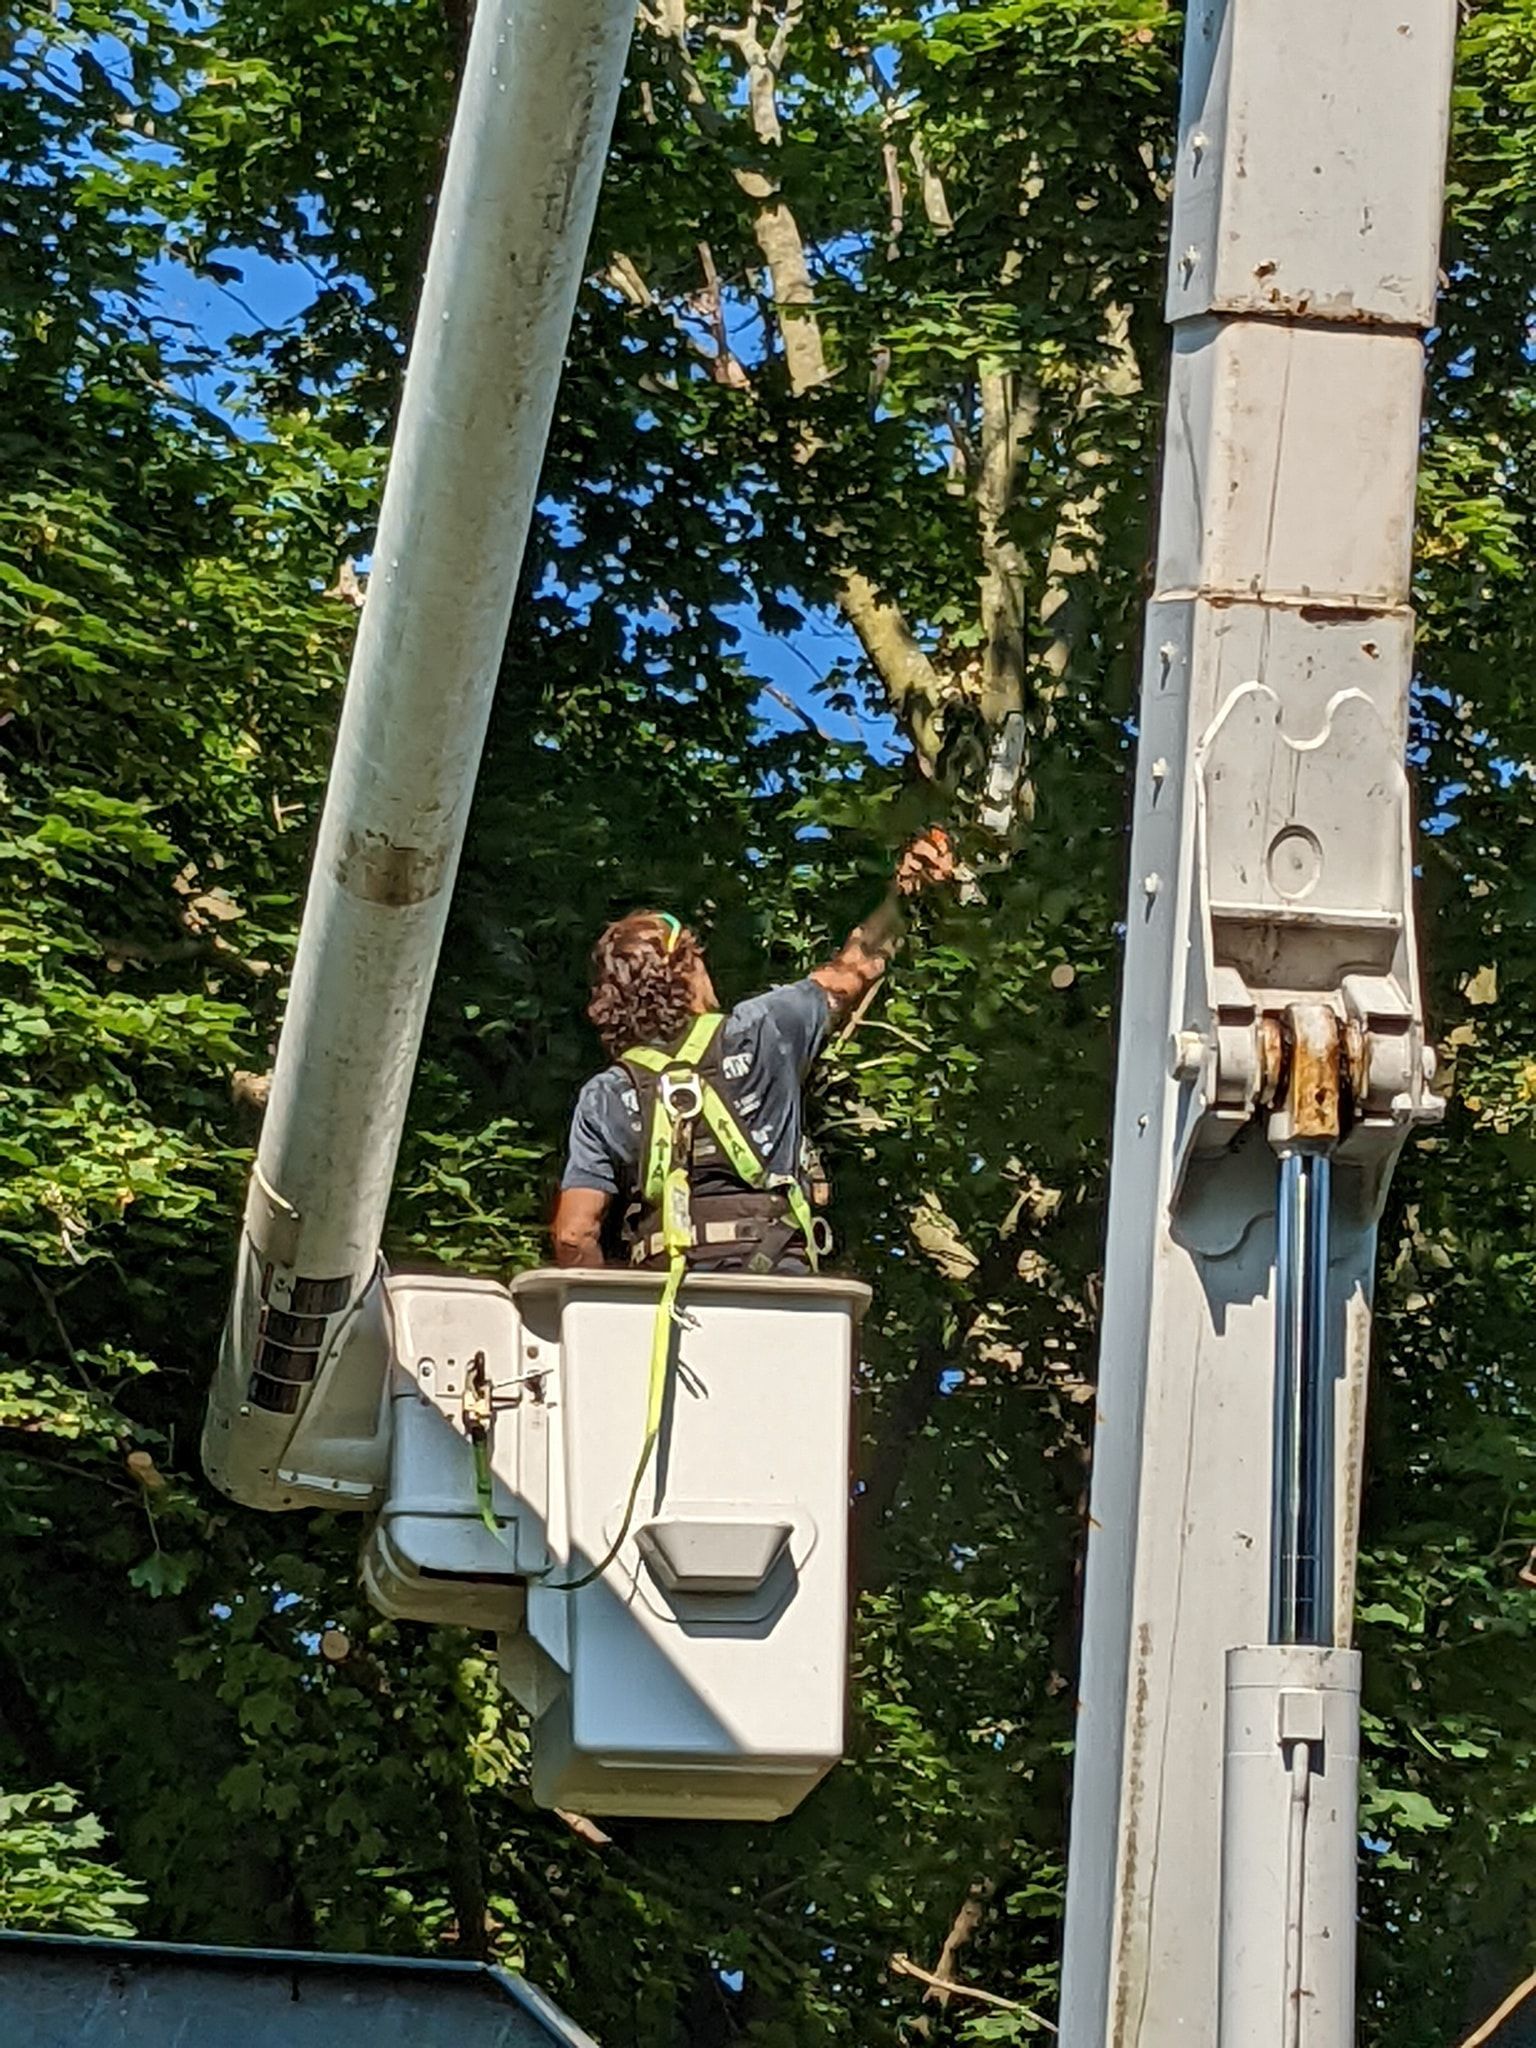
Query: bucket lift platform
column 705, row 1670
column 685, row 1654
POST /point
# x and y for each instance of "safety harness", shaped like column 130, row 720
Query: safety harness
column 682, row 1212
column 677, row 1093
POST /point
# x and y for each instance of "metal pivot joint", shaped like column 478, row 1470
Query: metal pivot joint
column 1305, row 948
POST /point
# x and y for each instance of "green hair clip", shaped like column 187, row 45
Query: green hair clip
column 674, row 929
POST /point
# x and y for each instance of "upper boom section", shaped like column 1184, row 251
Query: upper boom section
column 541, row 83
column 520, row 190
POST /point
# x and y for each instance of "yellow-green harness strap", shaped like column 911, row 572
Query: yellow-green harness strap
column 659, row 1138
column 805, row 1221
column 661, row 1352
column 666, row 1182
column 727, row 1132
column 485, row 1489
column 746, row 1165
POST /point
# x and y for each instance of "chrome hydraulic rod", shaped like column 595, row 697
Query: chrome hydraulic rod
column 1302, row 1489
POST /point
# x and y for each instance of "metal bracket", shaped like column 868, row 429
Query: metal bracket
column 682, row 1095
column 1304, row 949
column 478, row 1406
column 482, row 1397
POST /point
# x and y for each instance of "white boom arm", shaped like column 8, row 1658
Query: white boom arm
column 303, row 1362
column 1272, row 1058
column 677, row 1626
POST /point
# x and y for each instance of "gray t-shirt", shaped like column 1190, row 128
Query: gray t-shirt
column 767, row 1044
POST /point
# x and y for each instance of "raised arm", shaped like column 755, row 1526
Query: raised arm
column 852, row 971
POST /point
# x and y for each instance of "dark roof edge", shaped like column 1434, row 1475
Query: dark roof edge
column 516, row 1990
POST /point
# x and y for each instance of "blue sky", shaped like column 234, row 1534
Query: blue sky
column 274, row 294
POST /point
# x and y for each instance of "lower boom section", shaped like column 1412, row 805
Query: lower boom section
column 1272, row 1056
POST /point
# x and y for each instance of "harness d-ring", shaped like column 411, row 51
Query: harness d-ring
column 682, row 1095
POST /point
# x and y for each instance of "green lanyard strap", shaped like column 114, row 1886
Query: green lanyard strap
column 671, row 1126
column 479, row 1412
column 682, row 1096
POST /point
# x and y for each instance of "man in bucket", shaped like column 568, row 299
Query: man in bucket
column 699, row 1119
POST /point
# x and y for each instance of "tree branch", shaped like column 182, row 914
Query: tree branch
column 249, row 1090
column 931, row 185
column 118, row 953
column 49, row 1299
column 896, row 198
column 466, row 1869
column 622, row 276
column 763, row 65
column 794, row 296
column 667, row 21
column 935, row 199
column 724, row 367
column 1075, row 548
column 916, row 689
column 972, row 1911
column 783, row 698
column 905, row 1967
column 1010, row 408
column 912, row 682
column 1063, row 607
column 789, row 21
column 1496, row 2019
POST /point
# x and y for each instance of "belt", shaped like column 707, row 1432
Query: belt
column 746, row 1230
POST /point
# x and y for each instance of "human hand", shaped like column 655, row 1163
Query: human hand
column 928, row 863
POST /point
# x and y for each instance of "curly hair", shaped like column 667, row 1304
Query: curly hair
column 642, row 992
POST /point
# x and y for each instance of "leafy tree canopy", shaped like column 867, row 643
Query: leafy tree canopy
column 871, row 355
